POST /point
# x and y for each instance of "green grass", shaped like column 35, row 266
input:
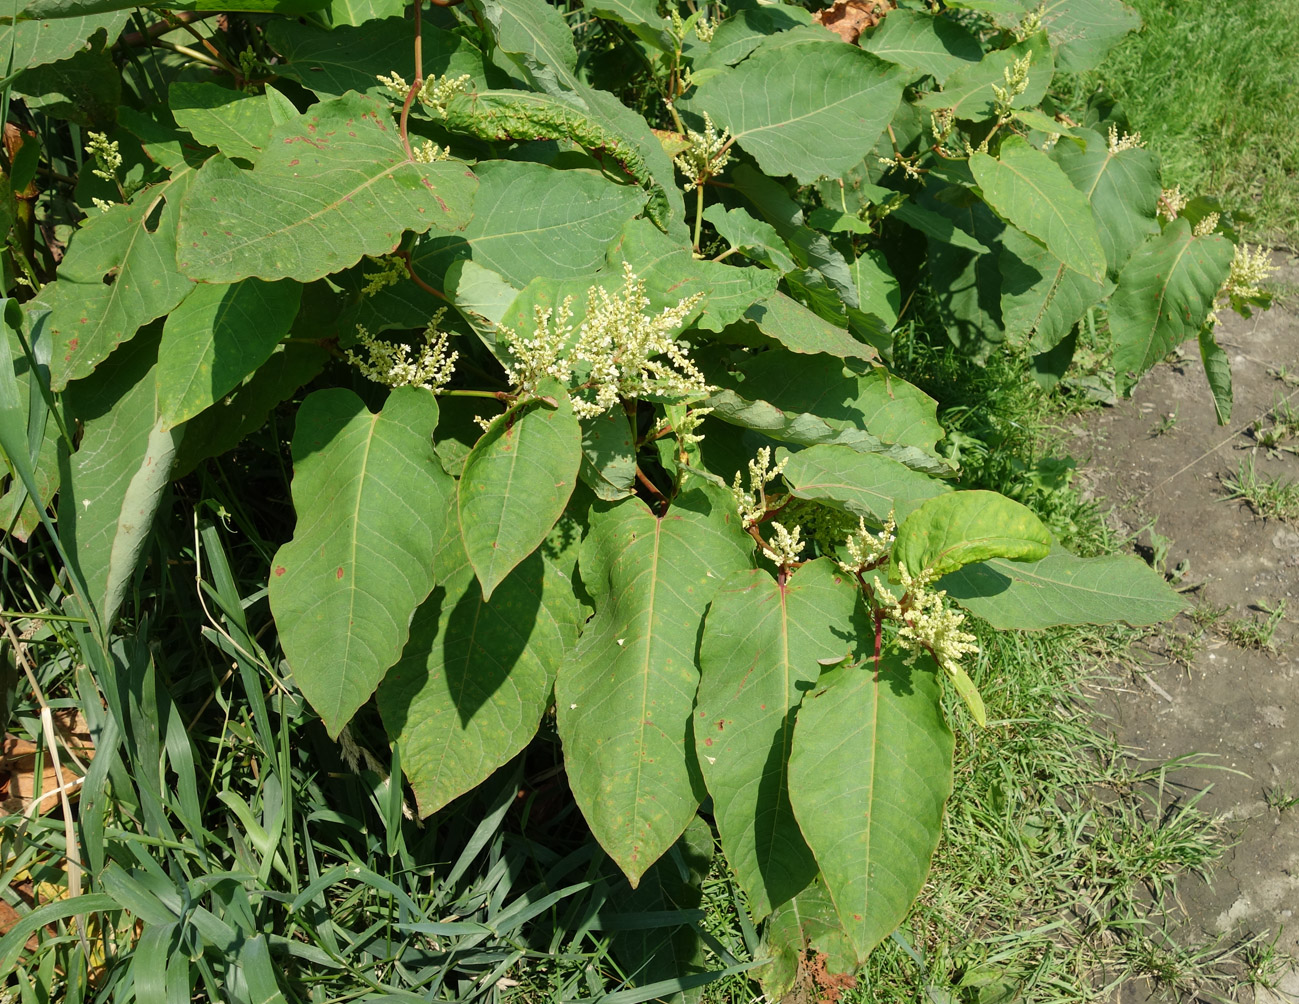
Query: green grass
column 1271, row 498
column 1211, row 86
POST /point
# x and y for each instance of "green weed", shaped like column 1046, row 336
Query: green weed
column 1280, row 798
column 1250, row 632
column 1166, row 424
column 1271, row 498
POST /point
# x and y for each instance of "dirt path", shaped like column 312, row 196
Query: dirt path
column 1237, row 705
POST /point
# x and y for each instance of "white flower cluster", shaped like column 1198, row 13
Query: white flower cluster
column 925, row 623
column 620, row 352
column 752, row 505
column 686, row 426
column 1015, row 77
column 390, row 363
column 785, row 546
column 544, row 353
column 431, row 153
column 435, row 93
column 1031, row 24
column 1249, row 271
column 1128, row 141
column 707, row 155
column 107, row 156
column 866, row 549
column 1206, row 226
column 1172, row 202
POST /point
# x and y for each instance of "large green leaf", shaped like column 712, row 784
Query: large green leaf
column 534, row 36
column 788, row 324
column 52, row 9
column 865, row 484
column 516, row 481
column 115, row 482
column 1217, row 370
column 19, row 514
column 1028, row 189
column 1041, row 297
column 761, row 649
column 925, row 43
column 530, row 221
column 869, row 773
column 819, row 121
column 624, row 699
column 751, row 237
column 641, row 16
column 595, row 120
column 351, row 58
column 372, row 504
column 475, row 677
column 969, row 93
column 806, row 429
column 810, row 248
column 1122, row 186
column 609, row 455
column 1083, row 31
column 333, row 185
column 1164, row 294
column 215, row 338
column 119, row 273
column 868, row 398
column 940, row 228
column 963, row 527
column 1064, row 589
column 237, row 124
column 36, row 42
column 745, row 29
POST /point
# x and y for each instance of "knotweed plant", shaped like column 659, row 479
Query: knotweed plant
column 704, row 531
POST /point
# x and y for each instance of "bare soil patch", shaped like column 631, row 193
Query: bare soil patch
column 1161, row 459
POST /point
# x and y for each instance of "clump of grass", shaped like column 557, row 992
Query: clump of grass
column 1250, row 632
column 1211, row 86
column 1271, row 498
column 1280, row 798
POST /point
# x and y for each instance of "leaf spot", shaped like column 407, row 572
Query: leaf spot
column 280, row 570
column 339, row 573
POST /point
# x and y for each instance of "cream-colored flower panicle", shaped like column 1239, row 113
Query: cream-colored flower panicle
column 707, row 155
column 390, row 363
column 866, row 549
column 925, row 622
column 752, row 505
column 621, row 352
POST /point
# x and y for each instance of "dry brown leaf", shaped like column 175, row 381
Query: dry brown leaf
column 849, row 18
column 18, row 759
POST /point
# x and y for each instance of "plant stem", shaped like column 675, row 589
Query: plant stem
column 404, row 255
column 172, row 23
column 495, row 395
column 416, row 84
column 699, row 212
column 194, row 54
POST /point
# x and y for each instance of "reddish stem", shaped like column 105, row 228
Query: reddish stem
column 410, row 270
column 414, row 89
